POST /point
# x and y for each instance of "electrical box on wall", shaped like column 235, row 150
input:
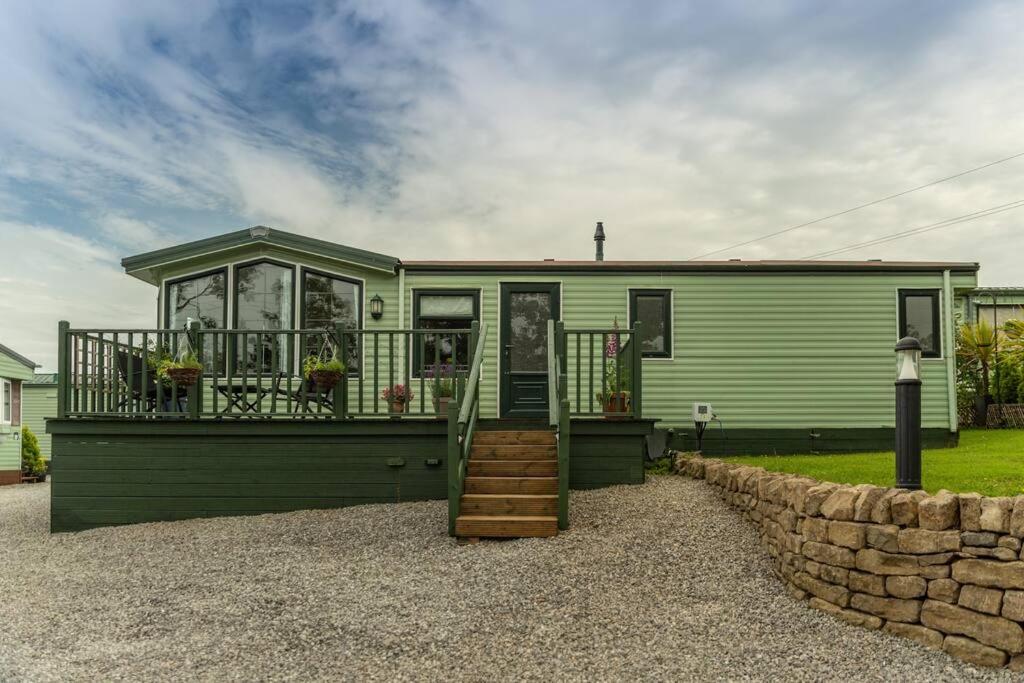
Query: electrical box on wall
column 702, row 412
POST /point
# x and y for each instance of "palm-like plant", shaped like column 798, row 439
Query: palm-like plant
column 977, row 345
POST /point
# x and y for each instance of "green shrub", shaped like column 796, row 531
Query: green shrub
column 32, row 463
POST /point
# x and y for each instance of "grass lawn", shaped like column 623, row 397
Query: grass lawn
column 990, row 462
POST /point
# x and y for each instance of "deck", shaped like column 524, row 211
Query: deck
column 255, row 437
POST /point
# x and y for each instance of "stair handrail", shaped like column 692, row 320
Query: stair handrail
column 462, row 426
column 559, row 413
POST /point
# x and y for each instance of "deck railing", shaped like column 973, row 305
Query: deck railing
column 259, row 373
column 602, row 371
column 462, row 419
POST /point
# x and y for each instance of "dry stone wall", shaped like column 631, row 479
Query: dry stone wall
column 945, row 570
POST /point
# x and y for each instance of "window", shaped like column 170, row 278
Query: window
column 263, row 302
column 444, row 310
column 328, row 300
column 6, row 401
column 652, row 308
column 202, row 298
column 919, row 318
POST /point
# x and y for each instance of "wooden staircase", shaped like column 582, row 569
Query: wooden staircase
column 511, row 488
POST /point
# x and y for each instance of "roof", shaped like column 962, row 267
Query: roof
column 731, row 265
column 42, row 378
column 18, row 357
column 140, row 264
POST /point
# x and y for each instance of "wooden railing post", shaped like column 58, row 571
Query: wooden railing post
column 637, row 389
column 341, row 388
column 564, row 428
column 454, row 465
column 196, row 389
column 63, row 368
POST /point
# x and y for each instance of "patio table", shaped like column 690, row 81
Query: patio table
column 237, row 395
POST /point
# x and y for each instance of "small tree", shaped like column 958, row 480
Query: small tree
column 32, row 463
column 977, row 347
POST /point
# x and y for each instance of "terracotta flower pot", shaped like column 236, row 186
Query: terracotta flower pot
column 184, row 377
column 397, row 406
column 441, row 406
column 616, row 403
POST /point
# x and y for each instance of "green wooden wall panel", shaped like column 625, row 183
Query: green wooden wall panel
column 39, row 402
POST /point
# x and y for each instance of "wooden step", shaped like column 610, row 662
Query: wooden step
column 513, row 438
column 509, row 504
column 512, row 452
column 513, row 468
column 505, row 485
column 499, row 526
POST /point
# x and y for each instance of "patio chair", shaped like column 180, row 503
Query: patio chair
column 149, row 394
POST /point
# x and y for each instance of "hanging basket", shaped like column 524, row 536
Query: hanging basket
column 184, row 377
column 325, row 380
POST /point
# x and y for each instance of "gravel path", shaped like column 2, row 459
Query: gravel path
column 658, row 582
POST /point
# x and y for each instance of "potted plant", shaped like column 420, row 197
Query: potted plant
column 442, row 387
column 323, row 373
column 184, row 372
column 398, row 398
column 614, row 395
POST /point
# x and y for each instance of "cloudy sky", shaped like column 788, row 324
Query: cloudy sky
column 483, row 129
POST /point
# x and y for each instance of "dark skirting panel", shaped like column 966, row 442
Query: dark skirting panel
column 108, row 472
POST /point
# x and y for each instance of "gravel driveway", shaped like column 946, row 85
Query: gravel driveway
column 661, row 581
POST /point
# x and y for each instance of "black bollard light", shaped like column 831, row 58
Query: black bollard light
column 908, row 413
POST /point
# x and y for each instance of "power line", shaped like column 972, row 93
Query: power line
column 981, row 213
column 857, row 208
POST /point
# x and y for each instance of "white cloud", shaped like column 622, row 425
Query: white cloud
column 499, row 130
column 52, row 275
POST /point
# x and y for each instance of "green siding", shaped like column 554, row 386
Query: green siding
column 769, row 351
column 39, row 402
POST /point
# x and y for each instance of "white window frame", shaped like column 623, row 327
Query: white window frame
column 6, row 391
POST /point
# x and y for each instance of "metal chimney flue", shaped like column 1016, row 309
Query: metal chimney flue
column 599, row 241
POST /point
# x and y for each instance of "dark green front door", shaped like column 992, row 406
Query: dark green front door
column 525, row 311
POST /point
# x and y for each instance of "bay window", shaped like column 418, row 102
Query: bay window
column 264, row 293
column 329, row 300
column 203, row 298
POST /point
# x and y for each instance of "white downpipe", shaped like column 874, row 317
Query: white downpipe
column 947, row 290
column 401, row 315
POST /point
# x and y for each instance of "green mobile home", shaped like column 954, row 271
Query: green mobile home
column 792, row 355
column 15, row 369
column 38, row 404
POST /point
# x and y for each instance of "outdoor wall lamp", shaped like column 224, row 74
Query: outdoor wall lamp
column 376, row 307
column 908, row 413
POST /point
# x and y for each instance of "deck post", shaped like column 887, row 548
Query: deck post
column 637, row 399
column 63, row 368
column 454, row 463
column 196, row 390
column 563, row 463
column 341, row 388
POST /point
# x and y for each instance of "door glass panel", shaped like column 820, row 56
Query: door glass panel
column 529, row 313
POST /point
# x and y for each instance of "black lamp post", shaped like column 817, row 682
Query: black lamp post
column 908, row 413
column 376, row 307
